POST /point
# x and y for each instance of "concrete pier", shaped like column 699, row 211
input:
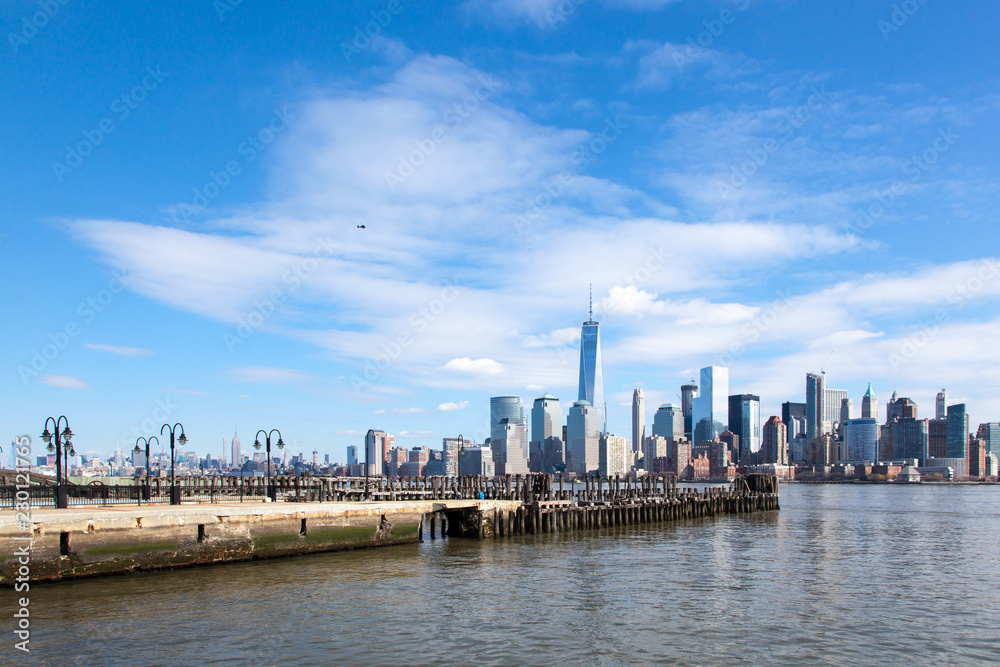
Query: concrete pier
column 89, row 541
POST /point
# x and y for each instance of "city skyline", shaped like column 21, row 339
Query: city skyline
column 229, row 221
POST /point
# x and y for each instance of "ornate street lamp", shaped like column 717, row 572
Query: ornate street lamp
column 62, row 440
column 175, row 492
column 281, row 445
column 146, row 493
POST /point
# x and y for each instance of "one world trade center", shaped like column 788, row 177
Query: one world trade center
column 591, row 372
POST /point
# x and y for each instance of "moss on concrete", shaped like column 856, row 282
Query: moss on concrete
column 123, row 549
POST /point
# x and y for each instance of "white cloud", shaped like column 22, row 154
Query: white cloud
column 475, row 366
column 550, row 14
column 408, row 411
column 414, row 434
column 119, row 350
column 266, row 375
column 450, row 406
column 63, row 382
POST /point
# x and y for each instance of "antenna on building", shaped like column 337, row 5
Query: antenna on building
column 591, row 302
column 823, row 370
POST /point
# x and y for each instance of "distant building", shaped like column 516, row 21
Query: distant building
column 655, row 447
column 861, row 439
column 546, row 423
column 733, row 449
column 377, row 447
column 833, row 401
column 582, row 439
column 937, row 438
column 710, row 410
column 869, row 404
column 352, row 455
column 814, row 405
column 900, row 408
column 237, row 455
column 510, row 448
column 616, row 456
column 941, row 405
column 638, row 419
column 681, row 457
column 449, row 455
column 958, row 432
column 689, row 392
column 592, row 371
column 504, row 407
column 977, row 458
column 990, row 433
column 668, row 422
column 910, row 439
column 744, row 421
column 774, row 448
column 476, row 461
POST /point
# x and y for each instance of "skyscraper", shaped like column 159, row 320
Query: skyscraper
column 237, row 457
column 582, row 439
column 958, row 431
column 710, row 410
column 504, row 407
column 846, row 414
column 941, row 405
column 615, row 456
column 546, row 428
column 744, row 421
column 668, row 422
column 814, row 405
column 689, row 392
column 869, row 405
column 352, row 455
column 591, row 370
column 774, row 445
column 377, row 446
column 861, row 439
column 510, row 448
column 638, row 421
column 833, row 400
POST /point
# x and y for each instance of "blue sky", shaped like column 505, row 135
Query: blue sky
column 775, row 186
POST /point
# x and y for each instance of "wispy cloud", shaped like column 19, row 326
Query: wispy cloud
column 267, row 375
column 119, row 350
column 63, row 382
column 451, row 407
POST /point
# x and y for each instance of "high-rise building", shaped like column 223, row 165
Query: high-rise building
column 834, row 399
column 989, row 433
column 814, row 405
column 504, row 407
column 352, row 455
column 689, row 392
column 378, row 444
column 668, row 422
column 638, row 421
column 510, row 448
column 476, row 461
column 774, row 447
column 791, row 410
column 937, row 438
column 869, row 405
column 861, row 439
column 846, row 413
column 744, row 421
column 710, row 410
column 910, row 438
column 582, row 439
column 615, row 457
column 450, row 448
column 546, row 423
column 592, row 371
column 941, row 405
column 900, row 408
column 237, row 456
column 958, row 432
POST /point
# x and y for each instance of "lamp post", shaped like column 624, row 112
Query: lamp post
column 281, row 445
column 175, row 492
column 145, row 494
column 62, row 438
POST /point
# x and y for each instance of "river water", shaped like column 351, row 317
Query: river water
column 843, row 574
